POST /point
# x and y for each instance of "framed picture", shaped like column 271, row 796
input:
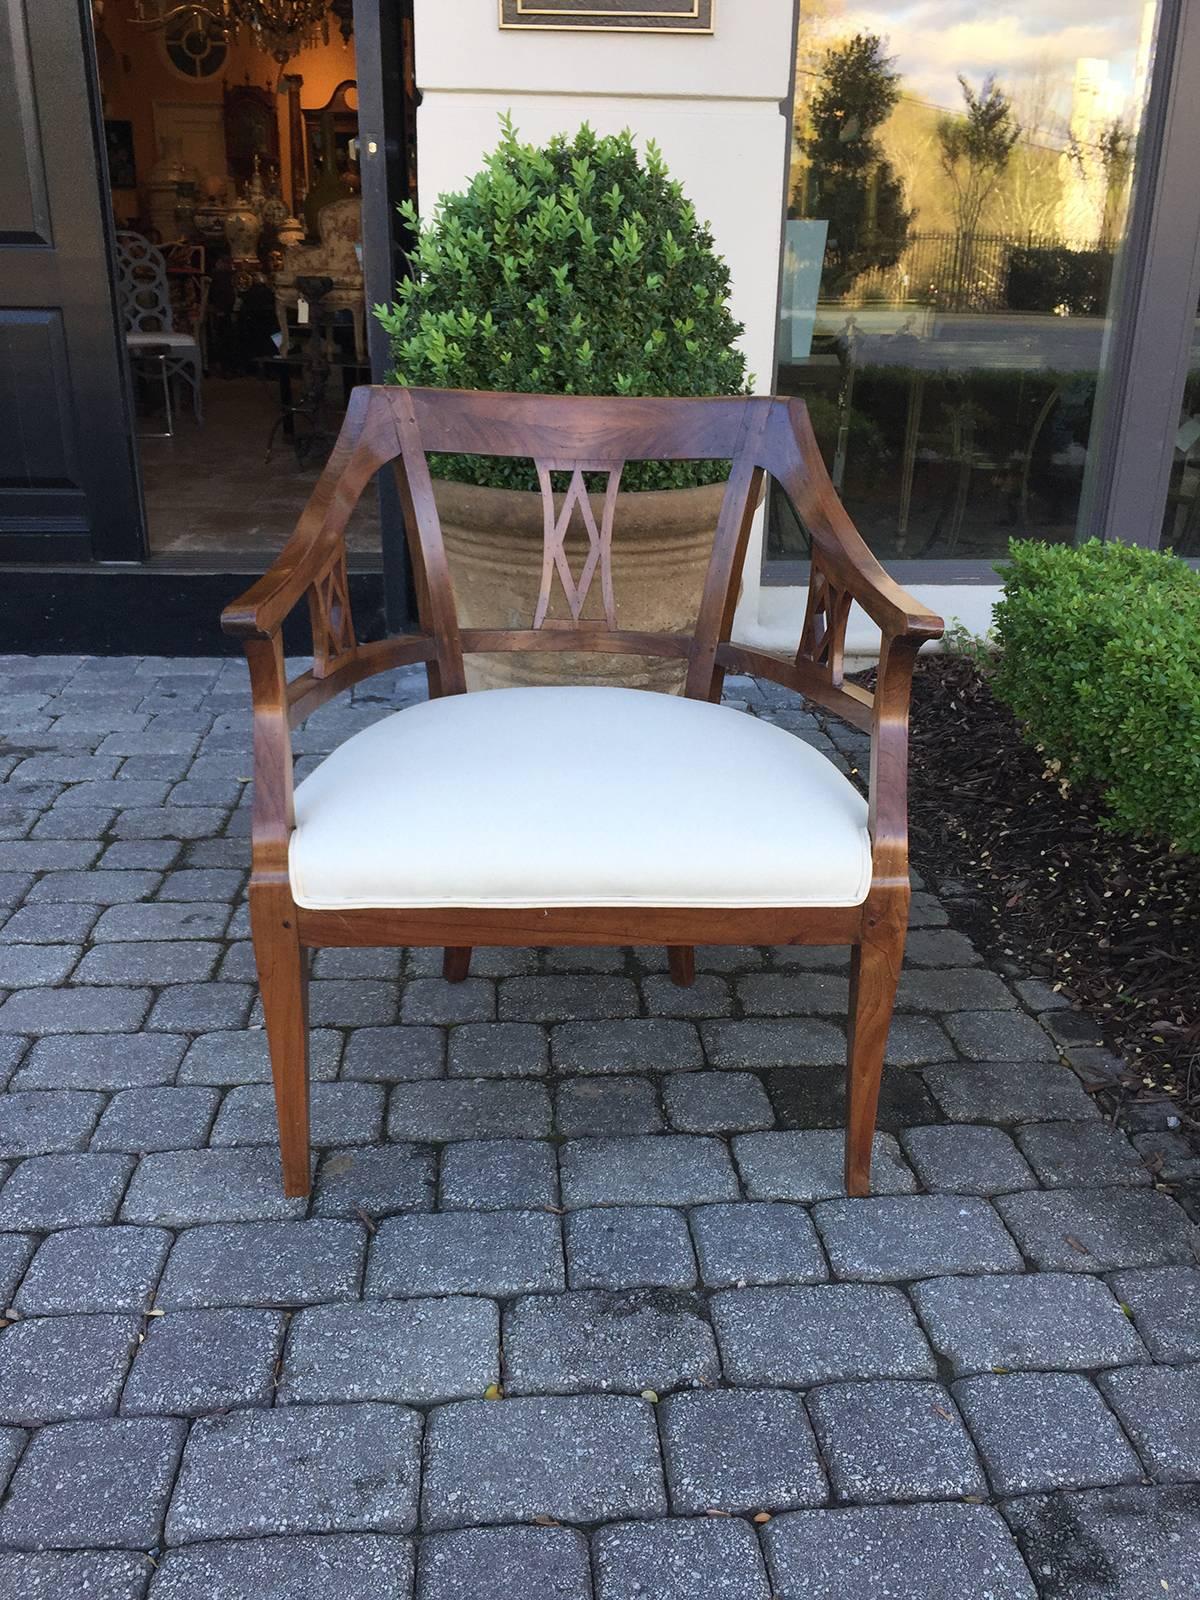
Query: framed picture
column 610, row 16
column 122, row 170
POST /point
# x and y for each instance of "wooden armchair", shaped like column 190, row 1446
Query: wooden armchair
column 576, row 815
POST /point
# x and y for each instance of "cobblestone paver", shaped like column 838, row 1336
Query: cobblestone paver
column 578, row 1307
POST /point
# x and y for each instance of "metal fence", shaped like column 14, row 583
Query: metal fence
column 955, row 271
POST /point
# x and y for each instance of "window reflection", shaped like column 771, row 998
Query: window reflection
column 958, row 192
column 1181, row 525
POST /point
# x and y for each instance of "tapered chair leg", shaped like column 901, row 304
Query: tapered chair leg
column 283, row 978
column 456, row 962
column 681, row 963
column 874, row 974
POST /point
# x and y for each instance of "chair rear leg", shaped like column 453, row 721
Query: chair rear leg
column 874, row 974
column 681, row 962
column 283, row 978
column 456, row 962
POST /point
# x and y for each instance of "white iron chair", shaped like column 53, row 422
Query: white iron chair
column 147, row 318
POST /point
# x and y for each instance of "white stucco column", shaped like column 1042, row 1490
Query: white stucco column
column 712, row 102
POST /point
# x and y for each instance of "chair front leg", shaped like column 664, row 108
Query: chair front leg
column 283, row 978
column 874, row 974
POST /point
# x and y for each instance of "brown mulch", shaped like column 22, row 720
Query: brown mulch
column 1111, row 922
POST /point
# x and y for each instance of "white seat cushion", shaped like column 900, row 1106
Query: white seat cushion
column 577, row 797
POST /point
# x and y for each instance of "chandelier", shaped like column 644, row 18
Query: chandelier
column 282, row 28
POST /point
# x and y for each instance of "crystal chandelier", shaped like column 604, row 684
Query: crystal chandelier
column 280, row 27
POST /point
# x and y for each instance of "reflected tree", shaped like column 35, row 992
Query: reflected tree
column 974, row 151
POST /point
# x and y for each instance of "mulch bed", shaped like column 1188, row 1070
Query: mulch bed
column 1112, row 922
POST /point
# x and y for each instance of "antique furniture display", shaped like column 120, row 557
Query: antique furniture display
column 576, row 815
column 337, row 258
column 251, row 132
column 147, row 317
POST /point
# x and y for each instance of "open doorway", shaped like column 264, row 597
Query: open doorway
column 234, row 164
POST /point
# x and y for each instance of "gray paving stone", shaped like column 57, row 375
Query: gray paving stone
column 14, row 886
column 433, row 1000
column 668, row 1170
column 894, row 1238
column 487, row 961
column 346, row 1566
column 12, row 1442
column 194, row 1007
column 154, row 962
column 24, row 966
column 90, row 1061
column 1127, row 1543
column 150, row 855
column 505, row 1564
column 181, row 1188
column 809, row 1165
column 641, row 1044
column 1009, row 1091
column 797, row 1337
column 1044, row 1430
column 298, row 1469
column 815, row 1097
column 1081, row 1154
column 939, row 1552
column 466, row 1252
column 241, row 1057
column 756, row 1243
column 498, row 1050
column 717, row 1102
column 606, row 1107
column 707, row 996
column 628, row 1247
column 1160, row 1409
column 490, row 1174
column 1036, row 1320
column 41, row 1011
column 941, row 947
column 143, row 1120
column 461, row 1109
column 894, row 1440
column 64, row 1191
column 739, row 1450
column 351, row 1003
column 419, row 1351
column 120, row 1471
column 264, row 1264
column 795, row 993
column 966, row 1159
column 40, row 1122
column 201, row 1361
column 1165, row 1302
column 341, row 1113
column 961, row 990
column 566, row 999
column 92, row 1270
column 46, row 855
column 796, row 1042
column 74, row 1575
column 201, row 883
column 1093, row 1230
column 99, row 887
column 394, row 1055
column 680, row 1559
column 377, row 1180
column 1000, row 1036
column 49, row 924
column 363, row 962
column 162, row 920
column 12, row 1049
column 53, row 1369
column 576, row 1458
column 16, row 1251
column 597, row 1339
column 585, row 958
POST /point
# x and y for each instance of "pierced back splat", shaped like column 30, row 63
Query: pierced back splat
column 555, row 528
column 329, row 613
column 825, row 617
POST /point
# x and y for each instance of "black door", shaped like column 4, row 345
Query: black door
column 68, row 480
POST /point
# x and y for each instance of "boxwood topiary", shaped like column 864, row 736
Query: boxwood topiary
column 577, row 268
column 1100, row 660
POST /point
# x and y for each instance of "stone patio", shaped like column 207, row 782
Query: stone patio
column 618, row 1200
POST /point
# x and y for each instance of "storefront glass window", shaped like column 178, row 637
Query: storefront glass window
column 1181, row 525
column 958, row 194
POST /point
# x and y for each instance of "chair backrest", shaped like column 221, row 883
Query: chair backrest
column 571, row 438
column 340, row 226
column 142, row 287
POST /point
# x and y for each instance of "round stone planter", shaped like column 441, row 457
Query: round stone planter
column 662, row 540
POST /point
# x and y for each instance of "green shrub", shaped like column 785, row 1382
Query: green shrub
column 574, row 269
column 1100, row 660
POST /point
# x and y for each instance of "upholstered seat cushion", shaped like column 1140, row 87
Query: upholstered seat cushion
column 578, row 797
